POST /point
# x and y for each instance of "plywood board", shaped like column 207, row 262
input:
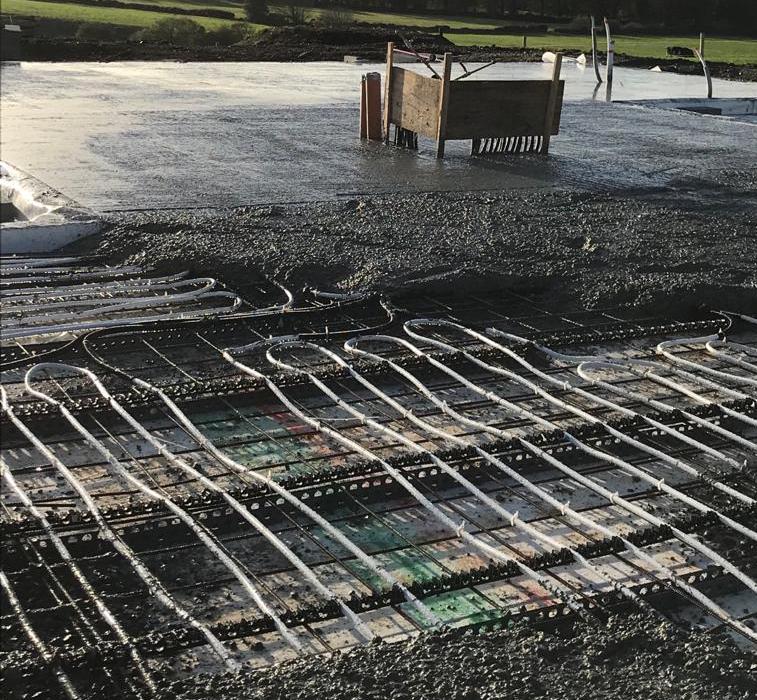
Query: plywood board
column 415, row 102
column 495, row 108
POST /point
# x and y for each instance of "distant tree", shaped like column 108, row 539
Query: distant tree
column 337, row 17
column 178, row 31
column 296, row 15
column 228, row 34
column 97, row 31
column 256, row 10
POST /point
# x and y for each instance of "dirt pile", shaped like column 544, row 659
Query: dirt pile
column 316, row 43
column 325, row 43
column 628, row 658
column 595, row 249
column 276, row 44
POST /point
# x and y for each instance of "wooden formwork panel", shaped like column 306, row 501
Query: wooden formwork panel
column 496, row 108
column 509, row 112
column 415, row 102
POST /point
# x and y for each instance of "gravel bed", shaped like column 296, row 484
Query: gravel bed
column 592, row 248
column 630, row 657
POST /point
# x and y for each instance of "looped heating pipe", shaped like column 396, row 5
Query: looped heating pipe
column 242, row 511
column 644, row 369
column 515, row 521
column 22, row 263
column 671, row 578
column 712, row 348
column 616, row 365
column 675, row 463
column 201, row 532
column 332, row 531
column 111, row 304
column 589, row 483
column 154, row 586
column 663, row 349
column 53, row 274
column 558, row 590
column 638, row 397
column 25, row 332
column 58, row 292
column 586, row 371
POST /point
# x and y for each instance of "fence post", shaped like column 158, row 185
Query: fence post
column 441, row 128
column 610, row 61
column 594, row 60
column 388, row 90
column 549, row 117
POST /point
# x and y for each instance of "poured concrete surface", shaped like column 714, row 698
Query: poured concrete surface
column 168, row 135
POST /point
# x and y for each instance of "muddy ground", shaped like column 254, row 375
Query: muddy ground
column 592, row 248
column 629, row 658
column 331, row 44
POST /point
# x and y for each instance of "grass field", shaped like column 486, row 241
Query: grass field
column 716, row 49
column 105, row 15
column 404, row 19
column 729, row 50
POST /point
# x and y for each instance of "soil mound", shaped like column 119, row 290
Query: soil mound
column 327, row 43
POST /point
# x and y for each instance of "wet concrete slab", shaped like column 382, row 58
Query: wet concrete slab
column 123, row 136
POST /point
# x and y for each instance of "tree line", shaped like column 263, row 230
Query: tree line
column 721, row 16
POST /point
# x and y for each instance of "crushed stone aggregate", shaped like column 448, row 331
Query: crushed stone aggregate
column 635, row 657
column 596, row 249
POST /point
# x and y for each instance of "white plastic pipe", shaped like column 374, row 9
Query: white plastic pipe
column 646, row 370
column 336, row 534
column 24, row 292
column 163, row 294
column 664, row 350
column 659, row 483
column 352, row 346
column 513, row 518
column 241, row 510
column 745, row 351
column 614, row 364
column 154, row 586
column 26, row 332
column 589, row 483
column 65, row 556
column 34, row 638
column 201, row 532
column 458, row 529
